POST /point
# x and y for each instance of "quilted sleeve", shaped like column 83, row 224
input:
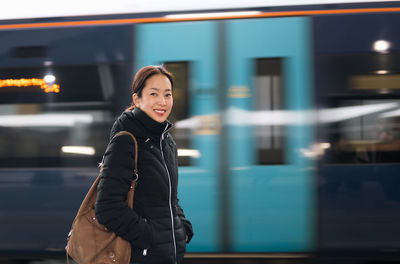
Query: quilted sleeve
column 111, row 208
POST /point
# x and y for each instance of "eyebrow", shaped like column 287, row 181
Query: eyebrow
column 167, row 90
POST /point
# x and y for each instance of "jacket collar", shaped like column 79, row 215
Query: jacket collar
column 150, row 125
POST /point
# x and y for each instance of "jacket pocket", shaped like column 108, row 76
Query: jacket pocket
column 151, row 234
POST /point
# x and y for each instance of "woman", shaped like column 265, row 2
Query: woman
column 156, row 227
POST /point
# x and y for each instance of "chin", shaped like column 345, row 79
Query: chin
column 159, row 119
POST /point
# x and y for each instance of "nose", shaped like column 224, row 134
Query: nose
column 163, row 101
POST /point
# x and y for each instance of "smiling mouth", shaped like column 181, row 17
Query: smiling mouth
column 160, row 112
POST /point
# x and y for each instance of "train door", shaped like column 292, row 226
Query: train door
column 188, row 50
column 241, row 127
column 269, row 134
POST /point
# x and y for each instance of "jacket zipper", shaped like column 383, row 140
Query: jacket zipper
column 170, row 191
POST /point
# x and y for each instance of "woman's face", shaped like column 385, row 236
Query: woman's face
column 156, row 100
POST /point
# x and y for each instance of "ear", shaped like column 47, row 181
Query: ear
column 136, row 100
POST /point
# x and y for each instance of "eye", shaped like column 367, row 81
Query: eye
column 168, row 95
column 153, row 94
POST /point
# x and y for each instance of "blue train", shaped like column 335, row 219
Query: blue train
column 287, row 122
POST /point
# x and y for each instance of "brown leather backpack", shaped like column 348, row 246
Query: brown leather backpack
column 90, row 242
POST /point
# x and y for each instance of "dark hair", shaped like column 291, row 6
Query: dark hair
column 141, row 77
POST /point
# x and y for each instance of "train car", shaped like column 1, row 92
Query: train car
column 286, row 121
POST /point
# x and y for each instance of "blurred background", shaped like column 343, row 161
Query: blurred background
column 286, row 113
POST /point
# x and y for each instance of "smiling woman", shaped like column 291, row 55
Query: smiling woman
column 156, row 227
column 286, row 115
column 156, row 99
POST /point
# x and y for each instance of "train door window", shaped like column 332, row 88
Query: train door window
column 180, row 112
column 368, row 132
column 268, row 100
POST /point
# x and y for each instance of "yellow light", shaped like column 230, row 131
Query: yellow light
column 55, row 88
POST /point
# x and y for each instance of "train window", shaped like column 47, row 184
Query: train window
column 366, row 131
column 180, row 111
column 69, row 128
column 361, row 75
column 269, row 98
column 363, row 92
column 381, row 81
column 75, row 84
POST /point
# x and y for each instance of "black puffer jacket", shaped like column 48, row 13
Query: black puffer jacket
column 156, row 227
